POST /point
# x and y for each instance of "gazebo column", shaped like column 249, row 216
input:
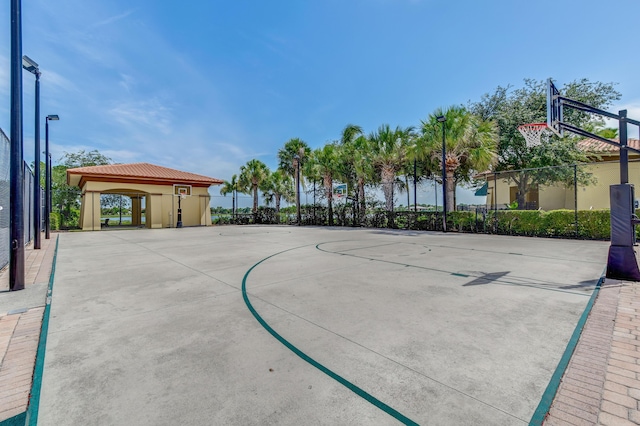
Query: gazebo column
column 153, row 211
column 205, row 210
column 90, row 211
column 136, row 210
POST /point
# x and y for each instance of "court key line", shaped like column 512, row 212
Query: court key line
column 539, row 286
column 352, row 387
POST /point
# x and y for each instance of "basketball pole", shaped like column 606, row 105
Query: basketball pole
column 622, row 263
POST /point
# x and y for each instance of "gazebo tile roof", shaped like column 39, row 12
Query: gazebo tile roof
column 596, row 146
column 141, row 171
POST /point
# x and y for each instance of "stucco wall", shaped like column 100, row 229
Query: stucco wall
column 590, row 197
column 161, row 206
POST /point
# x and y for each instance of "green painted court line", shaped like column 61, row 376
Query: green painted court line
column 36, row 384
column 358, row 391
column 552, row 388
column 407, row 265
column 17, row 420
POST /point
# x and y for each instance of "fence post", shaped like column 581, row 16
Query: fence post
column 495, row 202
column 575, row 196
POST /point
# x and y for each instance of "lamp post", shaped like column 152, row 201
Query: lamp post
column 47, row 181
column 415, row 186
column 16, row 190
column 442, row 119
column 31, row 66
column 296, row 163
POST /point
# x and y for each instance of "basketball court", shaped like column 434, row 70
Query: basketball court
column 241, row 325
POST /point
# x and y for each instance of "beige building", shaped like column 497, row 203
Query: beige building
column 156, row 190
column 605, row 169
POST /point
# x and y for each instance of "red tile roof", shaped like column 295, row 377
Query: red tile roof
column 595, row 146
column 139, row 172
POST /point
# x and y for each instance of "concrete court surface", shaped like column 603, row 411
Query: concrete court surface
column 149, row 327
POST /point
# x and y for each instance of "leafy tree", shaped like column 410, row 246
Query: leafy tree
column 253, row 175
column 511, row 108
column 470, row 142
column 67, row 198
column 609, row 133
column 84, row 159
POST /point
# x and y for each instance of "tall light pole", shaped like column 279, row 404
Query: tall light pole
column 442, row 119
column 296, row 163
column 47, row 183
column 31, row 66
column 16, row 205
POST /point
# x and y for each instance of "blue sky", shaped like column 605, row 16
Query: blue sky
column 205, row 86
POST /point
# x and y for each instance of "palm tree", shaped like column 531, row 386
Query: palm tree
column 277, row 186
column 231, row 187
column 325, row 162
column 291, row 159
column 252, row 176
column 355, row 157
column 389, row 150
column 471, row 145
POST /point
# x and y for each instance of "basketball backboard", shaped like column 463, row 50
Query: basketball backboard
column 554, row 109
column 340, row 190
column 182, row 190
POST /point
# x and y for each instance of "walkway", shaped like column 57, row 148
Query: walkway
column 601, row 384
column 20, row 323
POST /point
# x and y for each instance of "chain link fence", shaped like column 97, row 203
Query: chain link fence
column 28, row 201
column 569, row 201
column 5, row 171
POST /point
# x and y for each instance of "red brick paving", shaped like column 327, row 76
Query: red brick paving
column 601, row 385
column 20, row 333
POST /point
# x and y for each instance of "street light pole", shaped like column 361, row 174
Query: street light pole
column 47, row 179
column 31, row 66
column 296, row 160
column 16, row 190
column 415, row 185
column 442, row 119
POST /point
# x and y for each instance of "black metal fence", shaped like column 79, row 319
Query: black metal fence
column 570, row 201
column 29, row 187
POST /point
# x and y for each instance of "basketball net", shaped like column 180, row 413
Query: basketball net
column 533, row 133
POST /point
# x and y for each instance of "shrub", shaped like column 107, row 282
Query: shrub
column 54, row 221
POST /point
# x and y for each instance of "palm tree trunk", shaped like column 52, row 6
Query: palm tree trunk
column 363, row 206
column 255, row 198
column 328, row 185
column 278, row 208
column 451, row 188
column 406, row 185
column 387, row 176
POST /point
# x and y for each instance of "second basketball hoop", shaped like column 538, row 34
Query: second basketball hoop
column 533, row 133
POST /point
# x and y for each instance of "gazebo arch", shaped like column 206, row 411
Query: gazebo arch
column 157, row 184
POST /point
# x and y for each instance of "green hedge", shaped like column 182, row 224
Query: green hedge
column 54, row 221
column 592, row 224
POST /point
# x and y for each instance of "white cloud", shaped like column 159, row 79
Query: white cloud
column 151, row 114
column 5, row 75
column 633, row 112
column 113, row 19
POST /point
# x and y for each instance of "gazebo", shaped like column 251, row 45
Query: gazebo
column 156, row 189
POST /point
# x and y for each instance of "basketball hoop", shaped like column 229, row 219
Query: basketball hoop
column 533, row 132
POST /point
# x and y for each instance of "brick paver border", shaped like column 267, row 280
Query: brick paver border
column 601, row 385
